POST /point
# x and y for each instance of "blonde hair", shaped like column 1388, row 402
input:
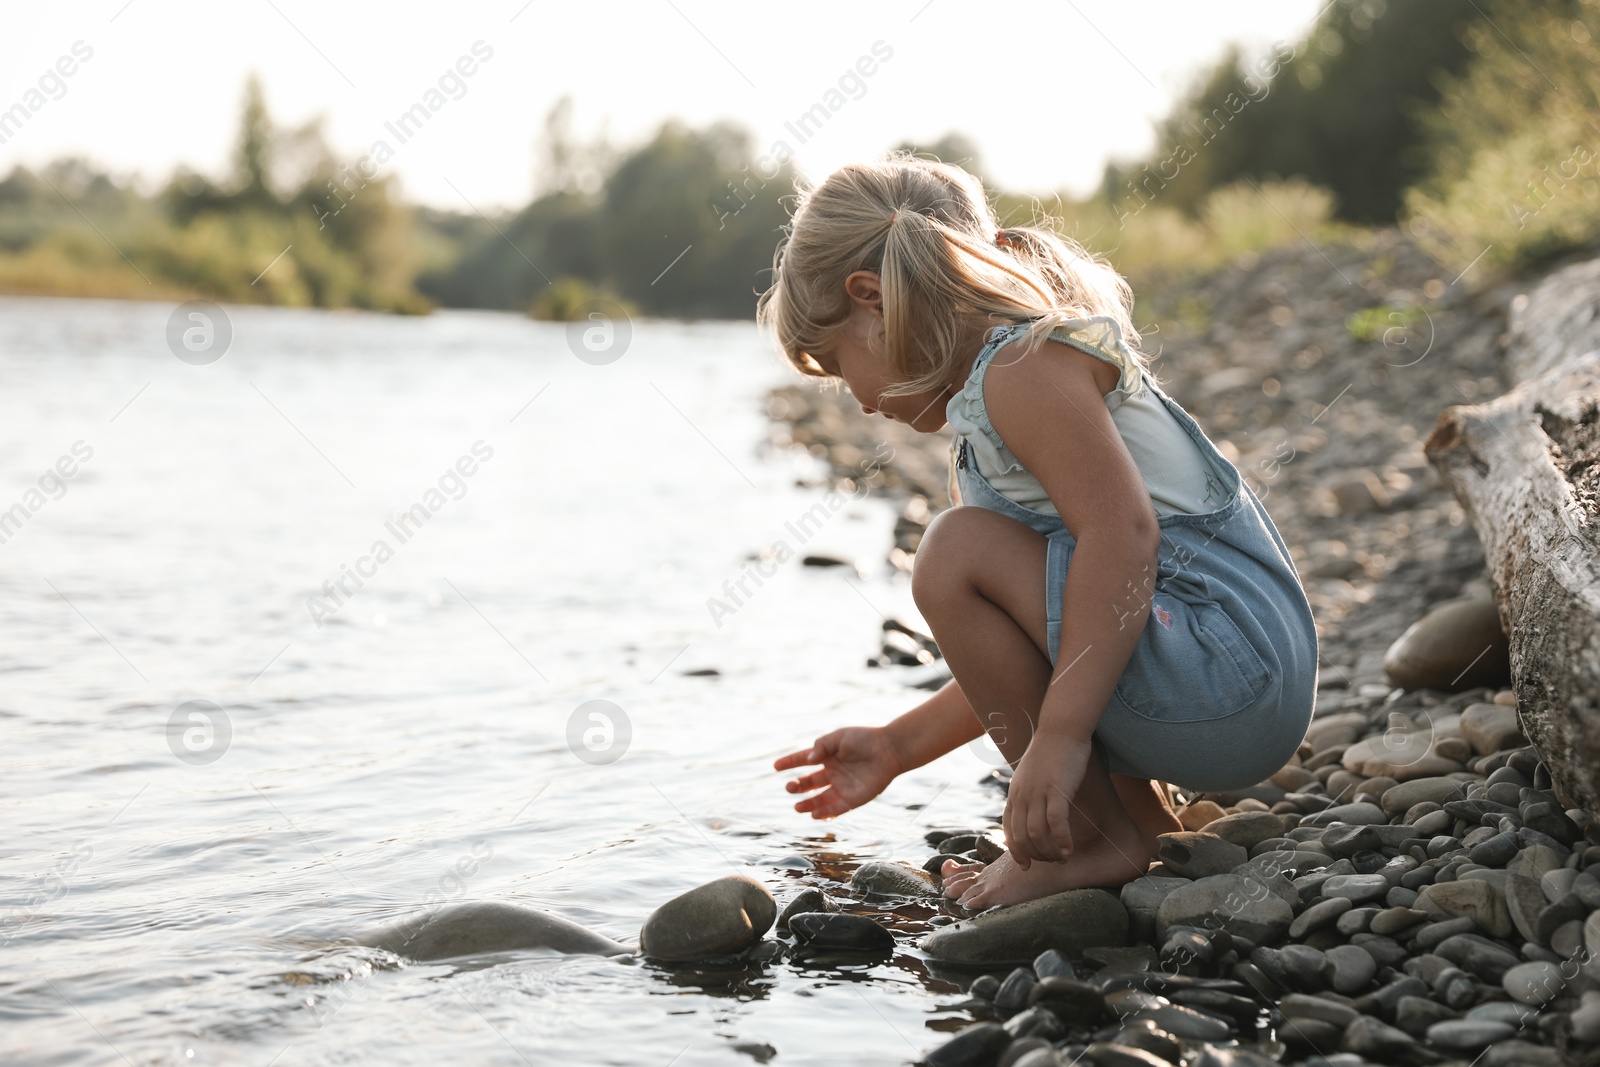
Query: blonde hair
column 927, row 230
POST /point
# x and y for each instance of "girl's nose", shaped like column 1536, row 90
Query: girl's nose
column 868, row 411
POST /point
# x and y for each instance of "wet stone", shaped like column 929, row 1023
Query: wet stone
column 979, row 1045
column 1535, row 983
column 1187, row 1023
column 1015, row 992
column 838, row 932
column 807, row 900
column 1074, row 1002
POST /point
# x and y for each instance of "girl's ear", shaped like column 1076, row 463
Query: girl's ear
column 866, row 288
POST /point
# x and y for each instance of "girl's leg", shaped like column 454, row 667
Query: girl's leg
column 980, row 583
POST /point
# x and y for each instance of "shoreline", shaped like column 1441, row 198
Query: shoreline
column 1408, row 888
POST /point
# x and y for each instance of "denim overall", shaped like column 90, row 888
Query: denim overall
column 1220, row 688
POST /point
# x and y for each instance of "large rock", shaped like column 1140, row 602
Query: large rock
column 721, row 918
column 1458, row 645
column 1231, row 902
column 1491, row 727
column 1067, row 922
column 480, row 928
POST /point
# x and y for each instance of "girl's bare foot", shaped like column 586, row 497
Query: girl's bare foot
column 1107, row 861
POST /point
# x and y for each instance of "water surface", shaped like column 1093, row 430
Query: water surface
column 406, row 742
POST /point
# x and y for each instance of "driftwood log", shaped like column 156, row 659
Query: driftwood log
column 1526, row 467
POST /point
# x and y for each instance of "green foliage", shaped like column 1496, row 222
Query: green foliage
column 1372, row 324
column 1342, row 111
column 1515, row 145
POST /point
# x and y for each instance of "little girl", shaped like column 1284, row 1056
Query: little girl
column 1115, row 605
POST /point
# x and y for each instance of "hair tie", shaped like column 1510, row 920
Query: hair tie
column 892, row 216
column 1000, row 239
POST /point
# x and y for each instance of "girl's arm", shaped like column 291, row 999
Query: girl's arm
column 940, row 724
column 859, row 762
column 1050, row 410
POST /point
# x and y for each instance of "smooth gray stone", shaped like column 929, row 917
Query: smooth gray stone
column 1479, row 956
column 1398, row 799
column 1320, row 914
column 977, row 1046
column 1503, row 1011
column 479, row 928
column 1467, row 1035
column 1357, row 887
column 1353, row 968
column 1247, row 828
column 839, row 932
column 880, row 879
column 808, row 899
column 1520, row 1054
column 1197, row 854
column 721, row 918
column 1067, row 922
column 1052, row 964
column 1535, row 983
column 1074, row 1002
column 1415, row 1014
column 1187, row 1023
column 1360, row 814
column 1394, row 920
column 1239, row 905
column 1377, row 1040
column 1304, row 1006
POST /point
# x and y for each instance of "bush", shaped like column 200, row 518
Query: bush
column 1515, row 148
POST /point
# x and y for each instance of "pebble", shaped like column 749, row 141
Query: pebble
column 1303, row 1006
column 876, row 879
column 1470, row 897
column 1377, row 1040
column 1233, row 903
column 1318, row 916
column 1438, row 650
column 720, row 918
column 1535, row 983
column 979, row 1045
column 1142, row 898
column 1247, row 828
column 1067, row 922
column 1359, row 814
column 1187, row 1023
column 1356, row 887
column 1074, row 1002
column 1353, row 968
column 1394, row 920
column 1491, row 727
column 1194, row 854
column 1415, row 1014
column 1109, row 1054
column 1467, row 1035
column 1201, row 814
column 1052, row 964
column 1586, row 1019
column 808, row 899
column 1398, row 799
column 477, row 928
column 840, row 932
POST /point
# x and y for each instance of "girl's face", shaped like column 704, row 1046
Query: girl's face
column 867, row 375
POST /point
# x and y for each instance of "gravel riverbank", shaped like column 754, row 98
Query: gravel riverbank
column 1409, row 889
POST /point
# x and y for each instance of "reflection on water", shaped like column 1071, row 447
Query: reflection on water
column 412, row 747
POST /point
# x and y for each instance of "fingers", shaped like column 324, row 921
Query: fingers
column 1039, row 833
column 824, row 805
column 1061, row 824
column 803, row 758
column 1015, row 843
column 814, row 780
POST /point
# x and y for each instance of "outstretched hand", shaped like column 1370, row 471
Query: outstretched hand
column 858, row 763
column 1039, row 801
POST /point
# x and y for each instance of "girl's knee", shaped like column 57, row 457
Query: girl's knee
column 953, row 550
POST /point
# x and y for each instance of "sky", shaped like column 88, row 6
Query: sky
column 1048, row 91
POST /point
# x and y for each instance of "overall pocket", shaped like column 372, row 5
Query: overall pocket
column 1191, row 664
